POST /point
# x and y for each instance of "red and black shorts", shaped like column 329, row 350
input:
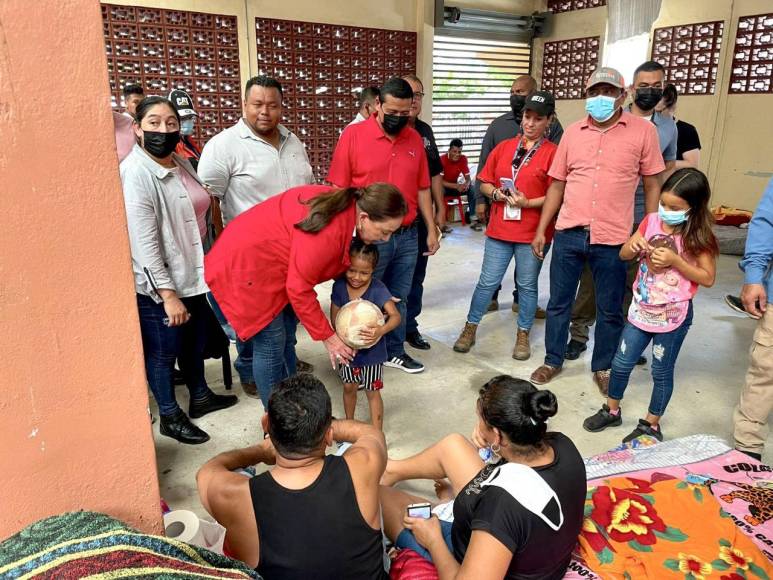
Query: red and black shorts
column 368, row 378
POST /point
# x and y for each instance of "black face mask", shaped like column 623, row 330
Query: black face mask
column 393, row 124
column 647, row 98
column 160, row 144
column 517, row 103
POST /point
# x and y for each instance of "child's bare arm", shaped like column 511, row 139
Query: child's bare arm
column 704, row 273
column 393, row 317
column 333, row 313
column 634, row 246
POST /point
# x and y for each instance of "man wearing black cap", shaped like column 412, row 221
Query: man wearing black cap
column 187, row 147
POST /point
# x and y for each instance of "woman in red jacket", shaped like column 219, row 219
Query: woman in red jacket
column 263, row 268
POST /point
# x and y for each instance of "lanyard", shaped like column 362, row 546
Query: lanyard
column 526, row 158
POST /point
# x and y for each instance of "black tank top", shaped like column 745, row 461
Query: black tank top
column 316, row 532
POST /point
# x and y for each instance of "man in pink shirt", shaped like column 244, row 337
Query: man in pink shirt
column 595, row 173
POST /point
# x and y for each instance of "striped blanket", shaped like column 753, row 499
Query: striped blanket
column 89, row 544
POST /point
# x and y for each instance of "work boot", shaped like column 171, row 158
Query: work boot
column 522, row 350
column 601, row 378
column 467, row 338
column 179, row 427
column 541, row 314
column 493, row 306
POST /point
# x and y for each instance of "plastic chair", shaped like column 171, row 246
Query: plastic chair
column 453, row 201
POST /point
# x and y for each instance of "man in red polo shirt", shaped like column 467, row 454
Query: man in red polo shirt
column 595, row 172
column 384, row 149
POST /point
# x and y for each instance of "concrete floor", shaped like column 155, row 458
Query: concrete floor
column 419, row 409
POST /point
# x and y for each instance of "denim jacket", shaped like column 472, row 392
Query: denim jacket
column 757, row 261
column 166, row 247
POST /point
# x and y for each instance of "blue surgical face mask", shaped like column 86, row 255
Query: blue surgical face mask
column 600, row 107
column 187, row 126
column 672, row 218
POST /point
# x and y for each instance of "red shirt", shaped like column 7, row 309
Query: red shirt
column 260, row 263
column 188, row 148
column 453, row 169
column 602, row 169
column 365, row 155
column 533, row 181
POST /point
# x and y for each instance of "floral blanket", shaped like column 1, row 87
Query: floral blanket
column 706, row 519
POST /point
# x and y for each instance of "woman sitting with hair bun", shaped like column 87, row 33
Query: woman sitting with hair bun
column 518, row 515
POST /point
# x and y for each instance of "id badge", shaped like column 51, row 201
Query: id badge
column 512, row 213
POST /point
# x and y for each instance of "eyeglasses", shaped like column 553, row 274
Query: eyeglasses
column 417, row 96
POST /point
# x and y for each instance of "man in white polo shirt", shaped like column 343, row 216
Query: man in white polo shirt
column 246, row 164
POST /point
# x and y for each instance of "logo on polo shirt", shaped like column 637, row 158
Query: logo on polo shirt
column 427, row 143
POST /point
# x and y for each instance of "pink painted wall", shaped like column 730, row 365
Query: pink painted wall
column 74, row 428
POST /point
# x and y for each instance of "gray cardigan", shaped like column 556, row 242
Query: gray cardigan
column 166, row 247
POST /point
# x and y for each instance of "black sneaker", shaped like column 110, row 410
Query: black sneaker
column 642, row 361
column 405, row 363
column 602, row 419
column 416, row 340
column 574, row 349
column 644, row 428
column 735, row 303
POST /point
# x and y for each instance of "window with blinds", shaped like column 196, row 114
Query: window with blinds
column 471, row 87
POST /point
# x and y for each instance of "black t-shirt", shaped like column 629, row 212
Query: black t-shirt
column 687, row 139
column 430, row 147
column 538, row 551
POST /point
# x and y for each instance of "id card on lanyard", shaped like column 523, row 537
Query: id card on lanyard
column 514, row 213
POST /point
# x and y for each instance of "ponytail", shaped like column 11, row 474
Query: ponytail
column 325, row 207
column 381, row 201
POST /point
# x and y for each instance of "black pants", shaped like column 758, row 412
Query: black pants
column 416, row 295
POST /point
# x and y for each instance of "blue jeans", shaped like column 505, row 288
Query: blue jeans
column 416, row 295
column 396, row 263
column 227, row 328
column 497, row 255
column 245, row 361
column 406, row 540
column 162, row 345
column 272, row 354
column 665, row 350
column 571, row 251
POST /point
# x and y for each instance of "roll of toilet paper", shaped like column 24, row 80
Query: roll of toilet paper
column 186, row 526
column 183, row 525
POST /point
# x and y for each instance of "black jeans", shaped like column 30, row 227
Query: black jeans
column 416, row 295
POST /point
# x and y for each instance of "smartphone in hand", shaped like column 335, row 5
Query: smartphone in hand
column 511, row 212
column 420, row 510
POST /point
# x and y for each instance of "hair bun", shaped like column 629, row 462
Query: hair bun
column 542, row 405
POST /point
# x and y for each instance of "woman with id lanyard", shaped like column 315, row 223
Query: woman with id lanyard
column 515, row 178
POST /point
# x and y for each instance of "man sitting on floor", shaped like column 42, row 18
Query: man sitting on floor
column 310, row 515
